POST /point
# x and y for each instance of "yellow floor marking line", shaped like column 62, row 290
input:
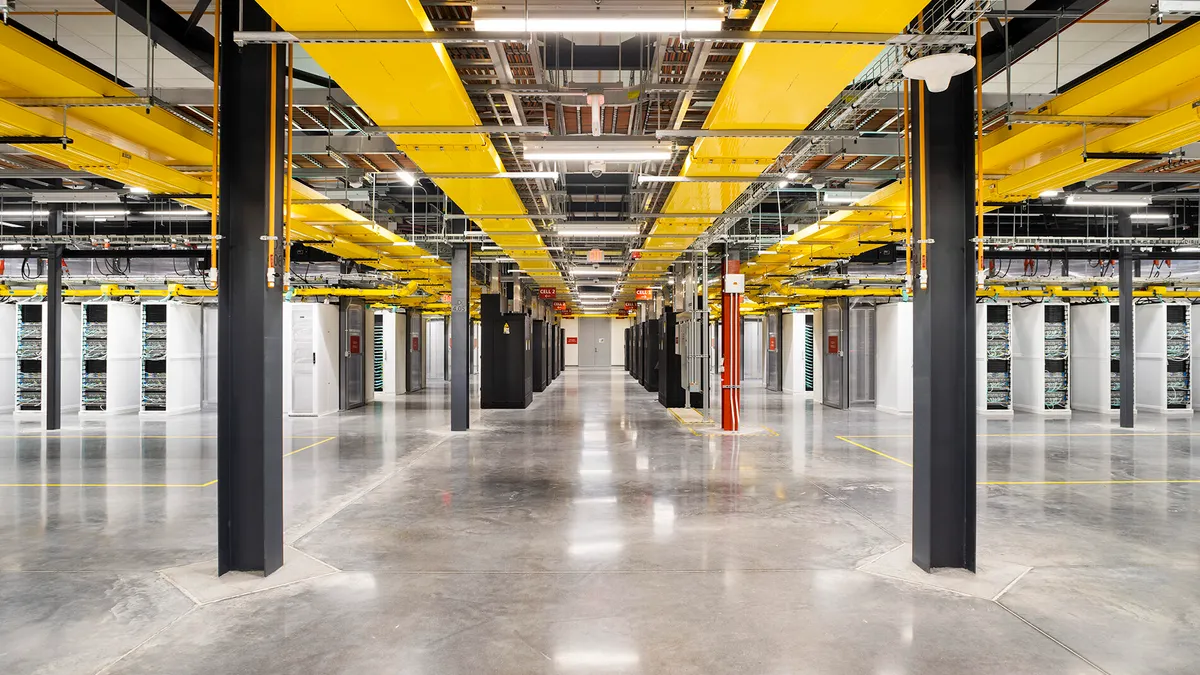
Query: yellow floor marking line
column 881, row 454
column 681, row 422
column 310, row 445
column 1128, row 481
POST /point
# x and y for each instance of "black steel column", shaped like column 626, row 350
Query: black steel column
column 944, row 396
column 250, row 359
column 460, row 338
column 52, row 357
column 1125, row 288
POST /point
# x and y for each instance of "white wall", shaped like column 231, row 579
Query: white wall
column 617, row 355
column 571, row 351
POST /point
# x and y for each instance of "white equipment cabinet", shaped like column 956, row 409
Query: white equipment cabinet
column 389, row 352
column 32, row 342
column 1041, row 359
column 894, row 358
column 171, row 358
column 112, row 369
column 8, row 357
column 1095, row 365
column 1163, row 358
column 993, row 359
column 310, row 376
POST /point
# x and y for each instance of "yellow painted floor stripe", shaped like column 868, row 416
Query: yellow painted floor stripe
column 881, row 454
column 310, row 445
column 1127, row 481
column 681, row 422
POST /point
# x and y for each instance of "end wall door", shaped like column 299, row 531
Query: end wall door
column 595, row 342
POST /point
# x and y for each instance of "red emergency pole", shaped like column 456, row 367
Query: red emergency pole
column 731, row 337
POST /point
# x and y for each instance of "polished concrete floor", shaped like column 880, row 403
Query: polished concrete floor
column 596, row 533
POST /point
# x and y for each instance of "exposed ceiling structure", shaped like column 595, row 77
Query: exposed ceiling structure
column 647, row 146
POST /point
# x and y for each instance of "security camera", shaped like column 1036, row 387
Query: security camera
column 596, row 168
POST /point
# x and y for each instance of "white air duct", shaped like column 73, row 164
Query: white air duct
column 937, row 69
column 596, row 101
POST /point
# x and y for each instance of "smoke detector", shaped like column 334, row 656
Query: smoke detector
column 937, row 69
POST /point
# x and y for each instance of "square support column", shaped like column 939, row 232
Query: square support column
column 943, row 168
column 1125, row 300
column 460, row 338
column 249, row 333
column 53, row 328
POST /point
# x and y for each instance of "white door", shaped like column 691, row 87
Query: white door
column 303, row 361
column 595, row 342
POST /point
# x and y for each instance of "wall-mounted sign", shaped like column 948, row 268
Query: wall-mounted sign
column 833, row 344
column 560, row 305
column 629, row 306
column 507, row 330
column 637, row 255
column 644, row 294
column 771, row 347
column 595, row 256
column 572, row 340
column 446, row 298
column 355, row 344
column 416, row 343
column 547, row 293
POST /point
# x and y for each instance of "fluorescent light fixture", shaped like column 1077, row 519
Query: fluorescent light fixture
column 610, row 24
column 403, row 243
column 843, row 197
column 1049, row 194
column 599, row 155
column 1108, row 200
column 1179, row 6
column 528, row 174
column 23, row 214
column 598, row 233
column 4, row 224
column 781, row 184
column 1181, row 249
column 14, row 247
column 133, row 189
column 490, row 247
column 1150, row 216
column 408, row 179
column 793, row 175
column 589, row 272
column 100, row 214
column 429, row 257
column 179, row 213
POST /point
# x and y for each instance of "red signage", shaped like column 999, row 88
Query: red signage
column 416, row 343
column 355, row 343
column 446, row 298
column 771, row 344
column 629, row 306
column 833, row 344
column 572, row 340
column 644, row 294
column 560, row 305
column 547, row 293
column 637, row 255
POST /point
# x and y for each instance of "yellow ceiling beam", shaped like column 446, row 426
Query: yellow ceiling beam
column 413, row 85
column 776, row 86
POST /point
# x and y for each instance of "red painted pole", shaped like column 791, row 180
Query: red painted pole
column 731, row 338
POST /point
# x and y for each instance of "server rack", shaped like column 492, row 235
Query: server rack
column 110, row 358
column 171, row 355
column 994, row 359
column 1163, row 358
column 1094, row 358
column 1041, row 359
column 377, row 342
column 539, row 361
column 31, row 343
column 671, row 392
column 894, row 358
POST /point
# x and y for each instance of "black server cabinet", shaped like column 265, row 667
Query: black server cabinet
column 539, row 355
column 670, row 386
column 489, row 321
column 506, row 357
column 625, row 362
column 638, row 361
column 650, row 348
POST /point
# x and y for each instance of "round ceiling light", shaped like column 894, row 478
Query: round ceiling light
column 937, row 69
